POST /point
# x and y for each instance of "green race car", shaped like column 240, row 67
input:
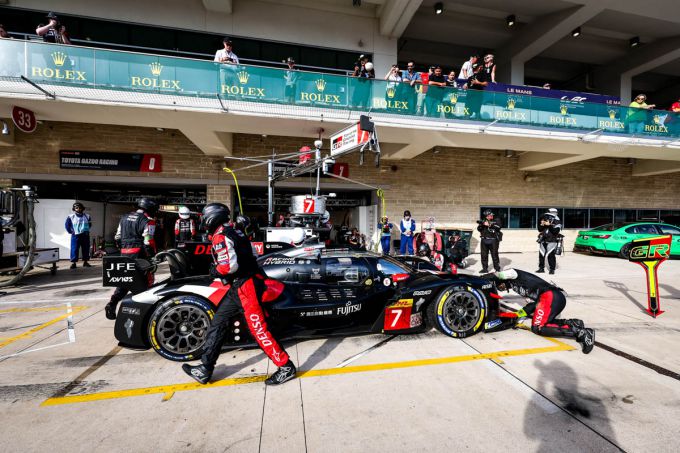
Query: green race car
column 616, row 238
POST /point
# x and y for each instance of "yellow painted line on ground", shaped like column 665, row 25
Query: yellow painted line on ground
column 169, row 390
column 30, row 332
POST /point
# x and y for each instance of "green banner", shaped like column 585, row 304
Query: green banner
column 81, row 66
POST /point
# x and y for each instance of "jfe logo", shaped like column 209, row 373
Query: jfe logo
column 121, row 267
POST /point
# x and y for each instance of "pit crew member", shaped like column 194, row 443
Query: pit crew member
column 548, row 238
column 235, row 264
column 457, row 251
column 547, row 302
column 491, row 236
column 385, row 228
column 135, row 236
column 407, row 226
column 434, row 256
column 185, row 227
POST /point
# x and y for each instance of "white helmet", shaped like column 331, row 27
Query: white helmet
column 325, row 217
column 369, row 66
column 184, row 212
column 297, row 236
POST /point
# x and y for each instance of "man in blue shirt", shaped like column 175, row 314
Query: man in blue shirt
column 407, row 226
column 78, row 225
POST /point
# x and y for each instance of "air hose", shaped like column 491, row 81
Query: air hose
column 238, row 192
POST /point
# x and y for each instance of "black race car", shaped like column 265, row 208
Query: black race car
column 334, row 293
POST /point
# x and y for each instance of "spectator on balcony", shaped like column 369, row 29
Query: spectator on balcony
column 291, row 77
column 475, row 95
column 451, row 80
column 3, row 32
column 50, row 32
column 466, row 70
column 435, row 92
column 637, row 115
column 363, row 69
column 411, row 77
column 547, row 86
column 675, row 107
column 394, row 80
column 490, row 68
column 63, row 35
column 227, row 54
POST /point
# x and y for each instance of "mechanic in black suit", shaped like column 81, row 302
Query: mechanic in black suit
column 491, row 236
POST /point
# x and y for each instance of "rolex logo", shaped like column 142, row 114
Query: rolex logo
column 511, row 104
column 59, row 58
column 391, row 91
column 657, row 119
column 156, row 68
column 563, row 109
column 320, row 84
column 612, row 114
column 454, row 98
column 243, row 77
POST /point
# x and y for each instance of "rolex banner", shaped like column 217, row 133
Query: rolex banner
column 89, row 160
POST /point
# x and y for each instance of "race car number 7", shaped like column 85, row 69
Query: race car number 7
column 308, row 205
column 397, row 312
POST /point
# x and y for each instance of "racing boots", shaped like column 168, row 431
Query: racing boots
column 283, row 374
column 198, row 372
column 587, row 339
column 110, row 310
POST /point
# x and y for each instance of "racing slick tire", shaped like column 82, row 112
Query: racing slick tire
column 179, row 326
column 625, row 250
column 458, row 311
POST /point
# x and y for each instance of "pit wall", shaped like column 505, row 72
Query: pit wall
column 450, row 185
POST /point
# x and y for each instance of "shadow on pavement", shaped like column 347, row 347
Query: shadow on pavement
column 559, row 379
column 623, row 289
column 321, row 353
column 674, row 293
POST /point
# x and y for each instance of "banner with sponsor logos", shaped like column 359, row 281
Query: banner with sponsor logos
column 530, row 106
column 89, row 160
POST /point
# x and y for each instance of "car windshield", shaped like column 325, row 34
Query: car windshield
column 389, row 266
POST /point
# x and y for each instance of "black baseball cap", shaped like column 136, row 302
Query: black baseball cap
column 51, row 15
column 226, row 39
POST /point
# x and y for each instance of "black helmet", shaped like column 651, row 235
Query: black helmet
column 148, row 205
column 424, row 249
column 243, row 224
column 78, row 204
column 487, row 212
column 214, row 215
column 407, row 213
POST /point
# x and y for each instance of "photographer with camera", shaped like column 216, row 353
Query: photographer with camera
column 226, row 55
column 457, row 249
column 491, row 236
column 549, row 239
column 54, row 32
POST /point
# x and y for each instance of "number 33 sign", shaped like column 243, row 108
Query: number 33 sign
column 24, row 119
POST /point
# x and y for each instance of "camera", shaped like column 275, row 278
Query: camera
column 479, row 222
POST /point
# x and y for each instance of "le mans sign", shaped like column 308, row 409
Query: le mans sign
column 90, row 160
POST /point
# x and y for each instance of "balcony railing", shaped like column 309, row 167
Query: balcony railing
column 135, row 72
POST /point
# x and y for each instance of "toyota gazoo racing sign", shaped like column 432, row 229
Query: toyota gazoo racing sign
column 349, row 139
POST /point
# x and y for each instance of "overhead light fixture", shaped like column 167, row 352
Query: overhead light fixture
column 576, row 32
column 160, row 129
column 438, row 8
column 5, row 128
column 510, row 20
column 634, row 41
column 509, row 153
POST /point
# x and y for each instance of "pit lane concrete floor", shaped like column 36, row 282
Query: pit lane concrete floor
column 72, row 389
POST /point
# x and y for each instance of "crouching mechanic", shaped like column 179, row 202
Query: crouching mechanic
column 548, row 301
column 235, row 264
column 435, row 257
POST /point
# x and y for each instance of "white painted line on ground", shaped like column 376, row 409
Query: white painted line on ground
column 69, row 324
column 2, row 357
column 50, row 301
column 49, row 285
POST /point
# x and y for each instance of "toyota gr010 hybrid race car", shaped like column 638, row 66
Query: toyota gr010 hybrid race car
column 336, row 293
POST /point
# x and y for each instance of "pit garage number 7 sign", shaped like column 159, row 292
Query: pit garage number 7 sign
column 308, row 205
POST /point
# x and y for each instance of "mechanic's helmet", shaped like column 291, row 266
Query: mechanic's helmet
column 78, row 204
column 184, row 212
column 407, row 213
column 455, row 233
column 243, row 224
column 424, row 249
column 297, row 236
column 384, row 219
column 325, row 217
column 214, row 215
column 148, row 205
column 487, row 212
